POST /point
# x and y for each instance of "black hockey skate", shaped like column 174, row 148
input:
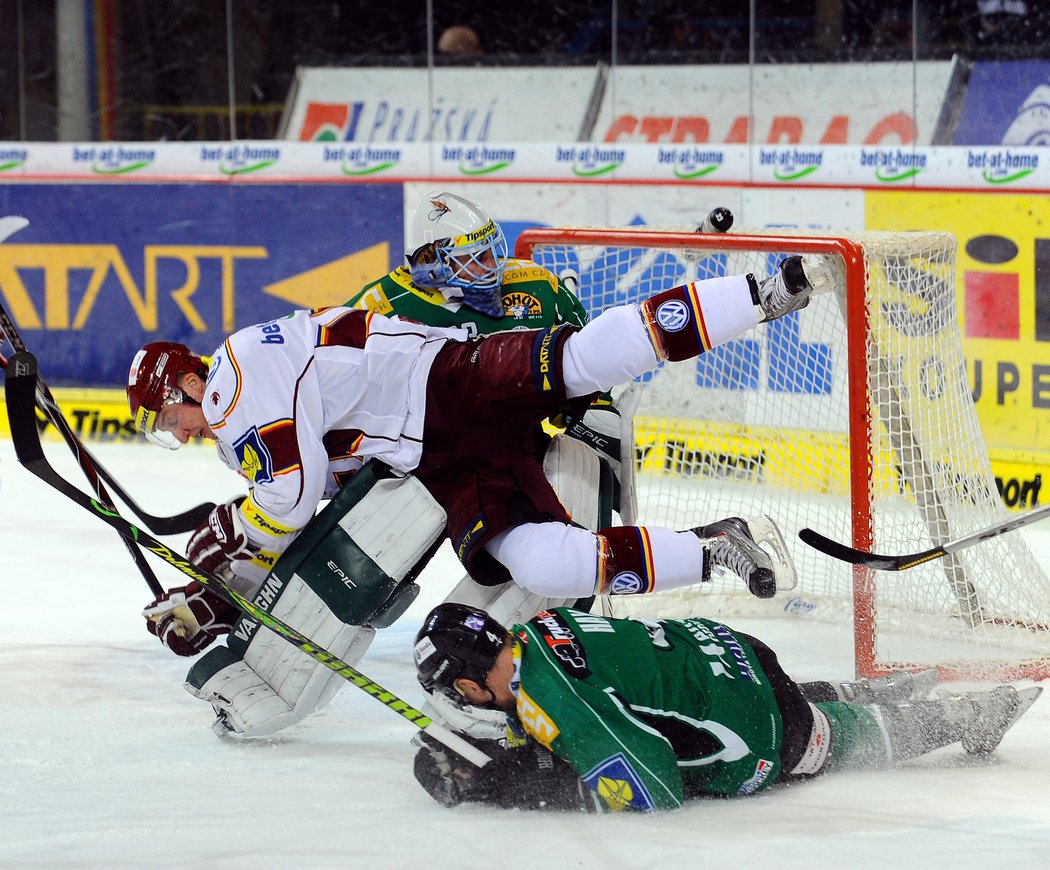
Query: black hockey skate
column 790, row 287
column 734, row 544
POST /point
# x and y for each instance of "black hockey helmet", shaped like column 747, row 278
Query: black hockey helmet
column 457, row 642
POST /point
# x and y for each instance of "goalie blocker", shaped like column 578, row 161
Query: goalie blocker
column 350, row 572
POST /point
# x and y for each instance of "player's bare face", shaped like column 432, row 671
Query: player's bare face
column 184, row 421
column 498, row 680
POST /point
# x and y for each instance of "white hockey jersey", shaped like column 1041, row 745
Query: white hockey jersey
column 298, row 404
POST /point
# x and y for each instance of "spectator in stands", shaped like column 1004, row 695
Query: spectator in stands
column 459, row 40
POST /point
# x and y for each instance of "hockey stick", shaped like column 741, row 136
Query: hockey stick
column 9, row 225
column 186, row 521
column 19, row 390
column 900, row 563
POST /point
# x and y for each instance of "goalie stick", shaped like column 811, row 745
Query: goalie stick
column 19, row 388
column 846, row 553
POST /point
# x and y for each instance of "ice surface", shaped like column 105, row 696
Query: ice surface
column 107, row 762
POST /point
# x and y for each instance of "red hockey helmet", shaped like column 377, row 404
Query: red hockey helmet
column 153, row 383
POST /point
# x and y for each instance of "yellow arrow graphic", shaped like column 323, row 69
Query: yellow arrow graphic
column 335, row 282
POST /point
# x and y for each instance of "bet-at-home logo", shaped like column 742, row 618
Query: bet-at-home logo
column 358, row 160
column 691, row 162
column 114, row 159
column 590, row 161
column 892, row 164
column 790, row 164
column 475, row 160
column 1000, row 165
column 12, row 158
column 240, row 159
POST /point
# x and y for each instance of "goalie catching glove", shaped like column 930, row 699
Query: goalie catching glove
column 220, row 540
column 187, row 619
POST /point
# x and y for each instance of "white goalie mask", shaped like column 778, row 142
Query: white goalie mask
column 454, row 243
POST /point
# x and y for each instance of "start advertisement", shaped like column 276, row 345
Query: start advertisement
column 105, row 268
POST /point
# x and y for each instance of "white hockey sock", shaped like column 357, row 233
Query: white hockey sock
column 558, row 560
column 611, row 349
column 678, row 558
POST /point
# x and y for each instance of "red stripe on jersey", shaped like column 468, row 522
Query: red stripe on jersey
column 702, row 335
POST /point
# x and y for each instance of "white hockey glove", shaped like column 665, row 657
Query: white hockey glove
column 187, row 619
column 220, row 539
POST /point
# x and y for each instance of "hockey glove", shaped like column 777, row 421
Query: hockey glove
column 525, row 777
column 189, row 618
column 220, row 539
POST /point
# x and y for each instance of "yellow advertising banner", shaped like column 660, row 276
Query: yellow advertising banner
column 1003, row 291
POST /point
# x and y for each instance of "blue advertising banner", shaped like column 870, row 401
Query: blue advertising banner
column 1007, row 103
column 104, row 268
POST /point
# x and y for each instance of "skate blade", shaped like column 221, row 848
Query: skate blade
column 922, row 684
column 823, row 273
column 1025, row 698
column 768, row 537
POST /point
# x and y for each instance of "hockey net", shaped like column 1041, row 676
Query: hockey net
column 852, row 417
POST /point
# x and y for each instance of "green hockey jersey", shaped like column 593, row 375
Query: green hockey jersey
column 533, row 298
column 648, row 712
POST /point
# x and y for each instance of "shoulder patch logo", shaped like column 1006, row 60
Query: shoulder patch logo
column 254, row 457
column 616, row 783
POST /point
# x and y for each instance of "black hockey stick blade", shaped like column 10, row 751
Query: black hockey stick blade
column 19, row 388
column 845, row 553
column 879, row 562
column 186, row 521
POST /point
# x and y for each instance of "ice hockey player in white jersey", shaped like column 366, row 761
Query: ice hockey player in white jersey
column 299, row 404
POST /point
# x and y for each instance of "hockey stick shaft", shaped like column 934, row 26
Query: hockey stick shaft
column 42, row 395
column 900, row 563
column 92, row 468
column 19, row 390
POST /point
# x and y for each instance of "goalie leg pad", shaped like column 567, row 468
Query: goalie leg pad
column 350, row 569
column 582, row 480
column 273, row 685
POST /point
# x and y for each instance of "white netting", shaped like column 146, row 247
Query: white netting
column 762, row 425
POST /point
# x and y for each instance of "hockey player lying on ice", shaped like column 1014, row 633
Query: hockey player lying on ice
column 298, row 405
column 641, row 714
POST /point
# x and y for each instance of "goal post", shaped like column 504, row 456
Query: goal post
column 852, row 416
